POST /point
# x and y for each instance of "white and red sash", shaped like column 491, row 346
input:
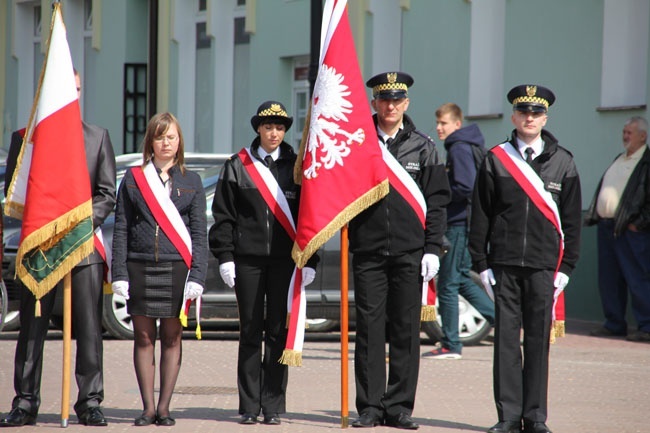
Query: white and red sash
column 404, row 184
column 533, row 186
column 105, row 252
column 170, row 221
column 275, row 199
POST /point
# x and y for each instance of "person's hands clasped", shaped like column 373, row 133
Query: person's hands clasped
column 430, row 266
column 488, row 280
column 308, row 275
column 193, row 290
column 561, row 280
column 227, row 272
column 121, row 288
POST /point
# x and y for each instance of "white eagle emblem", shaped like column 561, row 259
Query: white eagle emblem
column 326, row 136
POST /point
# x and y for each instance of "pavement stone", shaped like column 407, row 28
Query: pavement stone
column 597, row 385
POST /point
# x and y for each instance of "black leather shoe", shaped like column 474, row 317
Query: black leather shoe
column 367, row 420
column 536, row 427
column 403, row 421
column 18, row 417
column 93, row 417
column 144, row 420
column 505, row 427
column 272, row 419
column 248, row 418
column 165, row 421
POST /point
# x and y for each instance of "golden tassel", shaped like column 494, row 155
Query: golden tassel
column 198, row 332
column 292, row 358
column 559, row 327
column 428, row 313
column 37, row 308
column 183, row 318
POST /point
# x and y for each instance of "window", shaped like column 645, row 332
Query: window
column 625, row 54
column 486, row 58
column 300, row 100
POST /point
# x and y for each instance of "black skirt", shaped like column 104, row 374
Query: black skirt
column 156, row 289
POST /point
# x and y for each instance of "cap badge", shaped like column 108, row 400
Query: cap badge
column 391, row 77
column 531, row 90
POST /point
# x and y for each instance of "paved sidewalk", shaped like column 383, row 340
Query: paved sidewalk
column 596, row 386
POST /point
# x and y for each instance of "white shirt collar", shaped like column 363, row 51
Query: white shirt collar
column 385, row 136
column 275, row 154
column 537, row 146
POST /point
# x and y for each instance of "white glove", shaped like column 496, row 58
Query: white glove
column 121, row 288
column 193, row 290
column 561, row 280
column 308, row 275
column 430, row 266
column 488, row 280
column 227, row 271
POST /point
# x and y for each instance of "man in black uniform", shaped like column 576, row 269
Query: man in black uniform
column 524, row 241
column 396, row 244
column 87, row 305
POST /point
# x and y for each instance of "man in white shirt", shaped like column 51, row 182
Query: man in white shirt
column 621, row 208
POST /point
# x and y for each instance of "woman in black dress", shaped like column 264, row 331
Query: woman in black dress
column 159, row 257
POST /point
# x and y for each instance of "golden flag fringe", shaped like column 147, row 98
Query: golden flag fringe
column 40, row 240
column 359, row 205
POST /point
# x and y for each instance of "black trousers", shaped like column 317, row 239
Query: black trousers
column 262, row 286
column 87, row 302
column 388, row 297
column 523, row 297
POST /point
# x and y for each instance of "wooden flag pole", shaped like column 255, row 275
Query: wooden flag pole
column 344, row 327
column 67, row 334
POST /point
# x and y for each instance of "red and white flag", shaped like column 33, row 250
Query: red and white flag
column 50, row 188
column 341, row 166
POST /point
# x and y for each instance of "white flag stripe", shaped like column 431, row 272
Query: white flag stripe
column 58, row 82
column 333, row 23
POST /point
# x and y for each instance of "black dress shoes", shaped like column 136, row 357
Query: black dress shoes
column 536, row 427
column 165, row 421
column 248, row 418
column 18, row 417
column 367, row 420
column 93, row 417
column 505, row 427
column 403, row 421
column 272, row 419
column 144, row 420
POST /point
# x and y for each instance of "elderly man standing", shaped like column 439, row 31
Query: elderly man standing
column 621, row 208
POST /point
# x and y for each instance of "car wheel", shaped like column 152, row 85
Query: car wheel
column 321, row 325
column 12, row 321
column 472, row 327
column 115, row 319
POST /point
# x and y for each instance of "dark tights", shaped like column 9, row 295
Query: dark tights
column 144, row 329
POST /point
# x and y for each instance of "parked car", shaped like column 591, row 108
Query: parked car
column 219, row 301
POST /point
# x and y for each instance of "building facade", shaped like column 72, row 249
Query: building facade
column 212, row 62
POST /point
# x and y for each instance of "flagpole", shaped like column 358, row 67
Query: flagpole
column 344, row 326
column 65, row 385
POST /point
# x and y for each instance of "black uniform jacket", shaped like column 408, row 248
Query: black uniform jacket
column 634, row 206
column 507, row 229
column 391, row 227
column 137, row 235
column 244, row 225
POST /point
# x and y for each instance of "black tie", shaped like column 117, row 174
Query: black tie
column 529, row 154
column 271, row 165
column 389, row 141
